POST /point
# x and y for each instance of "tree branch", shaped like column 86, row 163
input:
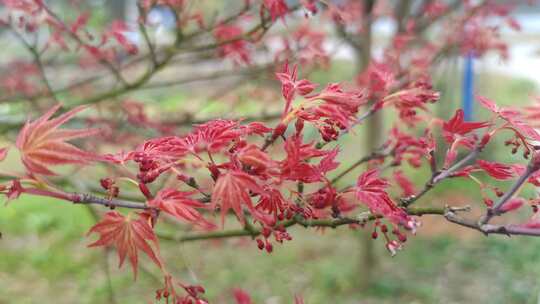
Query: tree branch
column 372, row 156
column 81, row 43
column 330, row 223
column 492, row 229
column 86, row 198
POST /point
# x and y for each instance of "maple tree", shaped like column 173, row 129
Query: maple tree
column 265, row 171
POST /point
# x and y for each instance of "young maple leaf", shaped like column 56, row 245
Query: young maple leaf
column 296, row 167
column 290, row 85
column 519, row 122
column 230, row 44
column 253, row 156
column 458, row 126
column 406, row 185
column 128, row 236
column 333, row 106
column 231, row 191
column 378, row 78
column 180, row 205
column 496, row 170
column 370, row 186
column 277, row 8
column 371, row 190
column 42, row 144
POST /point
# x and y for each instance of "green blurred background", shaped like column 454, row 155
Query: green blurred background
column 44, row 259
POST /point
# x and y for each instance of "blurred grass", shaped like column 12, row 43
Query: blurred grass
column 43, row 256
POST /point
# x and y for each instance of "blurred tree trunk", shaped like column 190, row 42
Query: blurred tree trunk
column 374, row 125
column 368, row 258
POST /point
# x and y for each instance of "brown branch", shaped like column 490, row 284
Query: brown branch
column 329, row 223
column 226, row 20
column 491, row 229
column 32, row 49
column 86, row 198
column 261, row 27
column 448, row 212
column 169, row 54
column 144, row 32
column 205, row 77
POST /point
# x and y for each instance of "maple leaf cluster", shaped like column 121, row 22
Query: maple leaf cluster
column 272, row 176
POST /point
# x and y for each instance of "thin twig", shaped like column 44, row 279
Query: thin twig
column 86, row 198
column 438, row 176
column 372, row 156
column 330, row 223
column 487, row 229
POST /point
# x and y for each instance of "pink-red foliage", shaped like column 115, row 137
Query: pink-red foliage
column 42, row 144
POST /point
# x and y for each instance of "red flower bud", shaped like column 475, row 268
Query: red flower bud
column 260, row 244
column 269, row 248
column 106, row 183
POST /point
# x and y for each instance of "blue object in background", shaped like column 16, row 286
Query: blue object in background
column 468, row 87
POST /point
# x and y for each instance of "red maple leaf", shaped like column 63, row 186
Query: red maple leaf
column 520, row 123
column 334, row 106
column 273, row 202
column 378, row 78
column 218, row 134
column 290, row 85
column 406, row 185
column 42, row 144
column 371, row 190
column 277, row 8
column 129, row 236
column 370, row 187
column 232, row 190
column 296, row 167
column 503, row 112
column 458, row 126
column 496, row 170
column 230, row 44
column 180, row 205
column 253, row 156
